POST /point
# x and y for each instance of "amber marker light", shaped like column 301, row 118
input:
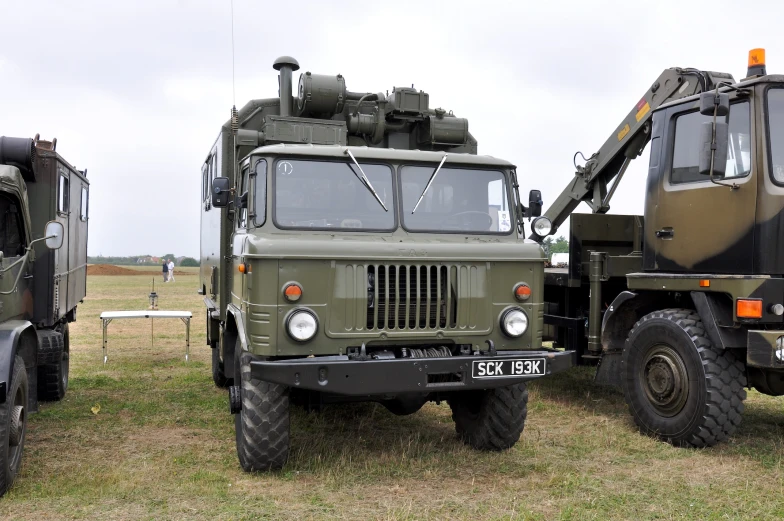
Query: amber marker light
column 522, row 292
column 243, row 268
column 705, row 283
column 292, row 292
column 747, row 308
column 756, row 63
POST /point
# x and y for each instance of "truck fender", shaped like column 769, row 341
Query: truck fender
column 234, row 314
column 618, row 320
column 11, row 333
column 716, row 314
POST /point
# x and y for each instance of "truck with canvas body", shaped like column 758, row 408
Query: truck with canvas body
column 43, row 262
column 354, row 247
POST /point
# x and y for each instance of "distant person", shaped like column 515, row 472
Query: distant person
column 165, row 271
column 171, row 270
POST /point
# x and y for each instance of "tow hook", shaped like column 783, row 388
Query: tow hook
column 235, row 399
column 491, row 345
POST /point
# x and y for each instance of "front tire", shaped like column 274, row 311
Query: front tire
column 13, row 426
column 678, row 386
column 262, row 425
column 490, row 420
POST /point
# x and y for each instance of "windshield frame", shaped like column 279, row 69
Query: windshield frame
column 768, row 141
column 457, row 166
column 273, row 192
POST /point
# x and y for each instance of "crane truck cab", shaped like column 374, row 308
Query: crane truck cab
column 43, row 259
column 354, row 247
column 684, row 307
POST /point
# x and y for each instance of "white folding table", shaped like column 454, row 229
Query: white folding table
column 185, row 316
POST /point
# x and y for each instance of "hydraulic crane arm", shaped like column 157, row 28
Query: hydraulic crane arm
column 627, row 143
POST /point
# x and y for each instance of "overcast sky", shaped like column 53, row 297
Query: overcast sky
column 136, row 91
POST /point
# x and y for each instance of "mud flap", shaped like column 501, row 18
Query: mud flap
column 609, row 370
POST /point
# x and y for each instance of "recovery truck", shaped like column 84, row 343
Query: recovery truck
column 43, row 204
column 683, row 307
column 354, row 247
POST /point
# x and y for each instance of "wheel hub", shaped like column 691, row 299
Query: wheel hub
column 665, row 380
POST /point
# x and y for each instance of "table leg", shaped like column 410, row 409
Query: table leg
column 187, row 339
column 152, row 332
column 105, row 339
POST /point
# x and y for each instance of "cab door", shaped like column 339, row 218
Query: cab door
column 64, row 256
column 692, row 224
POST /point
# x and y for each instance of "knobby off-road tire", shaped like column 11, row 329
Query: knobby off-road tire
column 13, row 426
column 678, row 386
column 218, row 369
column 53, row 378
column 490, row 420
column 262, row 426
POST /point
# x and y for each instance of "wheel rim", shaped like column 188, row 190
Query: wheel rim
column 665, row 380
column 18, row 428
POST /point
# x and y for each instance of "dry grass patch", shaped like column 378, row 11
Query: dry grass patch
column 162, row 446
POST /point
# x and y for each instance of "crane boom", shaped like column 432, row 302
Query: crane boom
column 627, row 143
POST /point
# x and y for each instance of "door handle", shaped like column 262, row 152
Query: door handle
column 665, row 233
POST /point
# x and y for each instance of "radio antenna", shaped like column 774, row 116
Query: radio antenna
column 233, row 85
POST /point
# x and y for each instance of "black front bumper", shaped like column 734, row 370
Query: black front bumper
column 339, row 375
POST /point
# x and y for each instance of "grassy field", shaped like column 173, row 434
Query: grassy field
column 162, row 446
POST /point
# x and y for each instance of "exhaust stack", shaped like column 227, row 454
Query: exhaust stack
column 285, row 65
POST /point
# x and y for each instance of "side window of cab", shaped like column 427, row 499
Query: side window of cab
column 686, row 149
column 12, row 234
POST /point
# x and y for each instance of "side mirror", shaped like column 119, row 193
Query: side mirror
column 720, row 152
column 220, row 192
column 54, row 234
column 534, row 203
column 709, row 101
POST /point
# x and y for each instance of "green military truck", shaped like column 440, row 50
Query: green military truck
column 43, row 204
column 683, row 307
column 354, row 247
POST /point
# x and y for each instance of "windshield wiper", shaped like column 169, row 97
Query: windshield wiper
column 365, row 181
column 432, row 177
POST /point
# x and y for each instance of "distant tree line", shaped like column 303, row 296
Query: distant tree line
column 559, row 245
column 143, row 260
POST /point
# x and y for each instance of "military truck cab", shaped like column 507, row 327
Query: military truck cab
column 43, row 260
column 684, row 306
column 360, row 250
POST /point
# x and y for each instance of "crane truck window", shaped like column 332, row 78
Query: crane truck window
column 776, row 134
column 685, row 155
column 11, row 229
column 458, row 200
column 332, row 195
column 260, row 196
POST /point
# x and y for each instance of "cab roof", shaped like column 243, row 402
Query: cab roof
column 384, row 154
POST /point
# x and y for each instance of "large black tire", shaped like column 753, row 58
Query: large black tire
column 679, row 387
column 53, row 378
column 262, row 425
column 492, row 419
column 13, row 426
column 218, row 370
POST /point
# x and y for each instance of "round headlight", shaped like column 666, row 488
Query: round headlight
column 542, row 226
column 514, row 322
column 302, row 325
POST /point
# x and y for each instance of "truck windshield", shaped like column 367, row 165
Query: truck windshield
column 459, row 200
column 331, row 195
column 776, row 134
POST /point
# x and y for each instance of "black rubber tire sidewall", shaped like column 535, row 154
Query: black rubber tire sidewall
column 18, row 378
column 653, row 332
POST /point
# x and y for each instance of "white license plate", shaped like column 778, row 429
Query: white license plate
column 507, row 368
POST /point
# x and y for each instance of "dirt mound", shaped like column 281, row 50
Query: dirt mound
column 110, row 269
